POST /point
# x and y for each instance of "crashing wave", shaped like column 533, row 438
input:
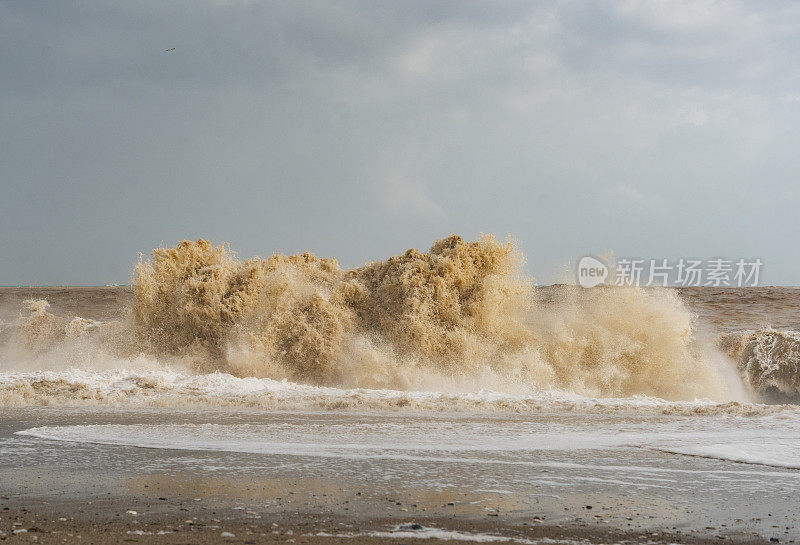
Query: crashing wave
column 769, row 361
column 152, row 387
column 458, row 318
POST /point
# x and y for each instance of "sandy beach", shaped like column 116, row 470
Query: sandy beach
column 53, row 491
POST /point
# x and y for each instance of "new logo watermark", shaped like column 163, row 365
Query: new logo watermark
column 683, row 272
column 591, row 271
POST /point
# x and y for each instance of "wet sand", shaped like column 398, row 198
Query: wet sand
column 59, row 490
column 59, row 524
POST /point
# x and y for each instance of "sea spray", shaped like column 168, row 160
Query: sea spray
column 769, row 361
column 460, row 317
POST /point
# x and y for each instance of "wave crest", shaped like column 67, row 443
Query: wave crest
column 460, row 317
column 769, row 360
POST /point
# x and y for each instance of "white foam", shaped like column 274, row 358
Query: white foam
column 774, row 451
column 149, row 386
column 763, row 440
column 415, row 531
column 407, row 440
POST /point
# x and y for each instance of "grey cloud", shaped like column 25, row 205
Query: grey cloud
column 358, row 129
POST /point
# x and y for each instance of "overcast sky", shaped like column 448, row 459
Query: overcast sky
column 360, row 129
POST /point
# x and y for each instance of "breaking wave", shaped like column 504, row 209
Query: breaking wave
column 147, row 387
column 460, row 318
column 769, row 362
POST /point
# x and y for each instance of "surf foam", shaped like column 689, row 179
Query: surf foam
column 458, row 318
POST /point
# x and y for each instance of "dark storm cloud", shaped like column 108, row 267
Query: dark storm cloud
column 357, row 129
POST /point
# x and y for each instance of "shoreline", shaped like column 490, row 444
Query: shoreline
column 54, row 488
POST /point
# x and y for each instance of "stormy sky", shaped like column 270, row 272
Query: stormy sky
column 359, row 129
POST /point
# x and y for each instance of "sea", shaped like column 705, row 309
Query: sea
column 445, row 370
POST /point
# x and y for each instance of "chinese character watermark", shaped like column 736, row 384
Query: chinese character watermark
column 716, row 272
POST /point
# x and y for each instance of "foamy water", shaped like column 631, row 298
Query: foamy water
column 169, row 388
column 417, row 531
column 771, row 441
column 459, row 329
column 460, row 318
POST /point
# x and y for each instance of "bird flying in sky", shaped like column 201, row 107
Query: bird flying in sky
column 171, row 49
